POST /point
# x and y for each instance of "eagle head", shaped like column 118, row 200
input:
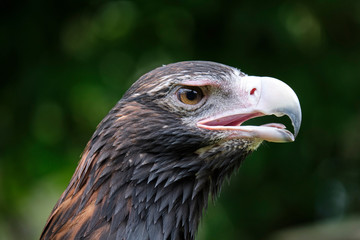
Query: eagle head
column 168, row 144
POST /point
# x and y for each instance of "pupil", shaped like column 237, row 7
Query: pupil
column 191, row 95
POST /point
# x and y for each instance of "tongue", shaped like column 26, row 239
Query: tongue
column 232, row 120
column 275, row 125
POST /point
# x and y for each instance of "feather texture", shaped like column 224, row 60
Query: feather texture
column 140, row 180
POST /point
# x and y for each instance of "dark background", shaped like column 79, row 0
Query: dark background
column 64, row 64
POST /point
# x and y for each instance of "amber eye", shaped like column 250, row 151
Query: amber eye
column 190, row 95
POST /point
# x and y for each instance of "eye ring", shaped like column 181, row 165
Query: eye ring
column 189, row 95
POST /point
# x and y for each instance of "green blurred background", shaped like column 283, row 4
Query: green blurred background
column 64, row 64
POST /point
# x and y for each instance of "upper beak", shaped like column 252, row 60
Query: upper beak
column 260, row 96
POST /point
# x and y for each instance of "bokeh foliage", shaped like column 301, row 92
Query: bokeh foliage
column 66, row 63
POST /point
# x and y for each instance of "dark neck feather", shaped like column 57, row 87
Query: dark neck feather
column 137, row 187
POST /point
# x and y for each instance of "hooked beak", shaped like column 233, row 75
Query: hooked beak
column 261, row 96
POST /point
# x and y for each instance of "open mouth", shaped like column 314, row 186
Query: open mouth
column 235, row 123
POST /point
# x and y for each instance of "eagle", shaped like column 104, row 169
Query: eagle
column 165, row 148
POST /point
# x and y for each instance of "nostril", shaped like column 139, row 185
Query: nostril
column 252, row 92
